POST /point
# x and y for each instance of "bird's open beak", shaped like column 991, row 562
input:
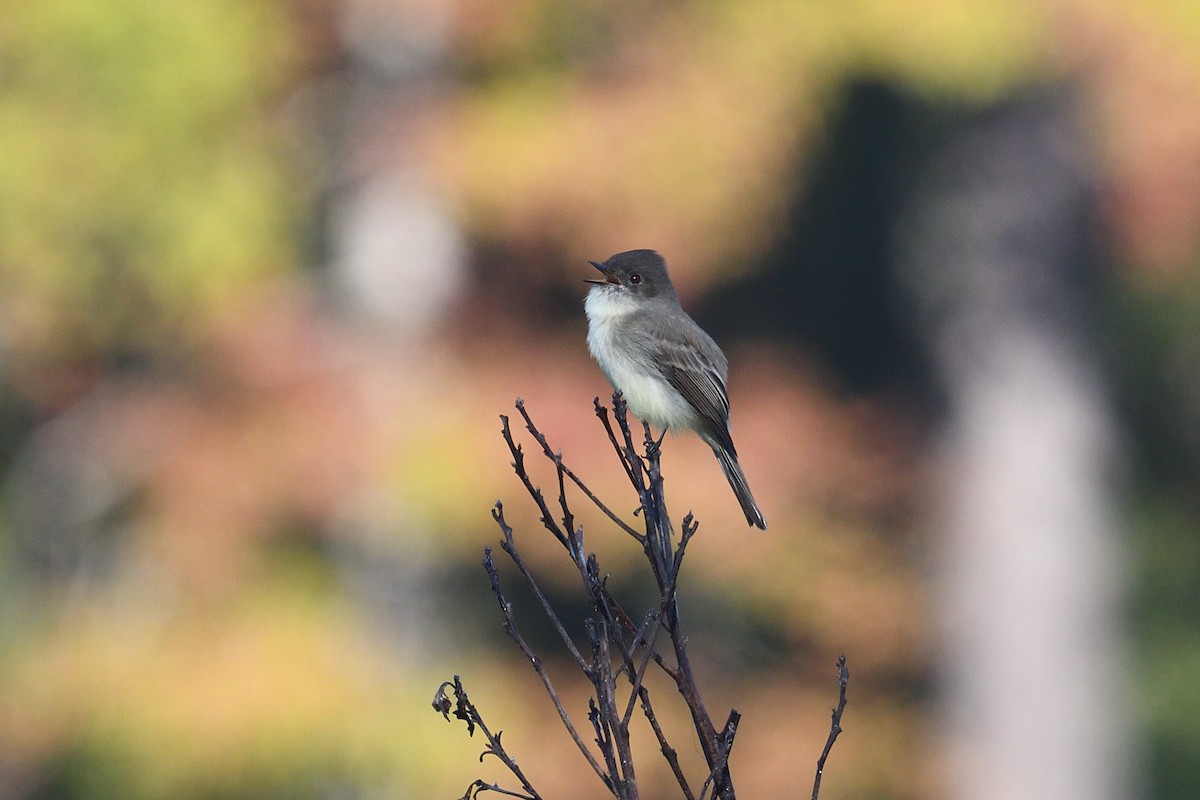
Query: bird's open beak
column 600, row 281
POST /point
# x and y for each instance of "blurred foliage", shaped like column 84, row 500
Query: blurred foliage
column 1160, row 393
column 141, row 182
column 151, row 205
column 274, row 695
column 721, row 98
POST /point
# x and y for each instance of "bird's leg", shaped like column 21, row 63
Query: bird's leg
column 652, row 448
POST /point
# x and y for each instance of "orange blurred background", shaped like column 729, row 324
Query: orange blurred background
column 270, row 271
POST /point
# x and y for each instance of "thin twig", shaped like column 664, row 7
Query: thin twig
column 563, row 469
column 568, row 518
column 539, row 499
column 635, row 468
column 509, row 547
column 510, row 628
column 619, row 733
column 575, row 539
column 668, row 752
column 658, row 522
column 600, row 721
column 835, row 725
column 465, row 710
column 622, row 454
column 518, row 465
column 657, row 547
column 479, row 787
column 723, row 749
column 654, row 622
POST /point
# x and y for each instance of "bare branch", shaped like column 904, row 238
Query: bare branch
column 615, row 638
column 479, row 787
column 509, row 547
column 465, row 710
column 564, row 470
column 720, row 769
column 835, row 725
column 668, row 752
column 631, row 465
column 518, row 465
column 510, row 627
column 654, row 624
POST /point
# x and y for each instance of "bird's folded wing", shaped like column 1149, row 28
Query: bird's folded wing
column 695, row 378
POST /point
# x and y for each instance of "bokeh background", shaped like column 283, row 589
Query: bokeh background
column 271, row 269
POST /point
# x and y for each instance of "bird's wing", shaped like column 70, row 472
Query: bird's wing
column 696, row 377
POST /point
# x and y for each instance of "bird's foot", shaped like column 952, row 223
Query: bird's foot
column 654, row 446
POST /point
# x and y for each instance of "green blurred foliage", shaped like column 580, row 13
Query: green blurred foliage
column 140, row 181
column 1160, row 392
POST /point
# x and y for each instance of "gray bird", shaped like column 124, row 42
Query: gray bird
column 671, row 372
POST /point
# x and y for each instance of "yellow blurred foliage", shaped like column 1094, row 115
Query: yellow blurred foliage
column 140, row 181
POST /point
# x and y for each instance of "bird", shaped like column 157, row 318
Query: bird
column 670, row 372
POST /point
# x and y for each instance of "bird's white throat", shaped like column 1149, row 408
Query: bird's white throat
column 648, row 394
column 605, row 307
column 605, row 304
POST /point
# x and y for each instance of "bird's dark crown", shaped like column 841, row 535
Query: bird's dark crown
column 643, row 272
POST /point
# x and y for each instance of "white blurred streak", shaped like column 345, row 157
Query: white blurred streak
column 1030, row 585
column 397, row 257
column 396, row 254
column 397, row 38
column 1029, row 589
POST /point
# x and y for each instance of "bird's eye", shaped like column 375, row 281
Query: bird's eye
column 635, row 278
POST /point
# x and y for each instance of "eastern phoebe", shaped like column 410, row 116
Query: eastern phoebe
column 671, row 373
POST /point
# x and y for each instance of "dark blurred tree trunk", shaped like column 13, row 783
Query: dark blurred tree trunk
column 998, row 250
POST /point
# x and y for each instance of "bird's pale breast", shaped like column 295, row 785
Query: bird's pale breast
column 647, row 393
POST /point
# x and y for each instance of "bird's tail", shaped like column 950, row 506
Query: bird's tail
column 737, row 479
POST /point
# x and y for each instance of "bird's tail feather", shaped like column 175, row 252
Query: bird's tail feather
column 737, row 479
